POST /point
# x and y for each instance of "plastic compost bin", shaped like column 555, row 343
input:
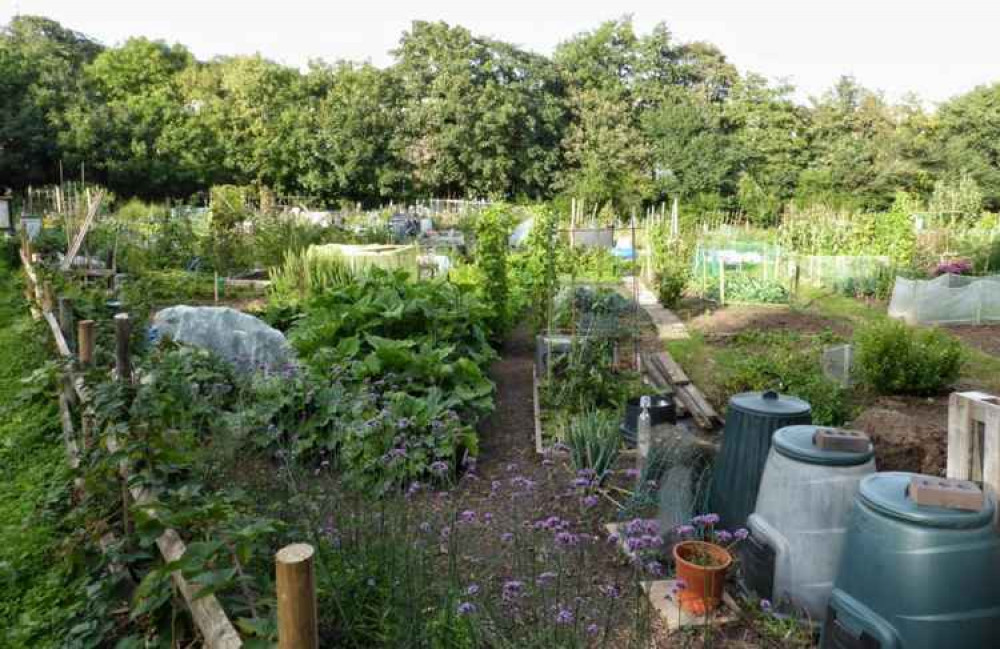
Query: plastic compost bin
column 751, row 420
column 914, row 577
column 800, row 522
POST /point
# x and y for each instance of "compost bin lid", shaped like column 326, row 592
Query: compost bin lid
column 769, row 403
column 797, row 443
column 887, row 494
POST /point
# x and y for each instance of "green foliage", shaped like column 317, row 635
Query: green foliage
column 743, row 288
column 585, row 379
column 787, row 363
column 493, row 228
column 228, row 212
column 956, row 201
column 893, row 358
column 594, row 441
column 304, row 275
column 407, row 361
column 534, row 270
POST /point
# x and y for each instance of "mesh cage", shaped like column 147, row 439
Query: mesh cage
column 948, row 299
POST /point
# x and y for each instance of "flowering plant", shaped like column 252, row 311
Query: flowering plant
column 702, row 528
column 953, row 267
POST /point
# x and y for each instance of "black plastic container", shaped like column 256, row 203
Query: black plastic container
column 661, row 411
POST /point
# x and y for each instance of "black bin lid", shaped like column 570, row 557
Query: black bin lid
column 769, row 403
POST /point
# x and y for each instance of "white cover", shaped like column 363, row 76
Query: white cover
column 948, row 299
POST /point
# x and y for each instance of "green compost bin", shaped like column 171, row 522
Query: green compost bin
column 914, row 577
column 751, row 419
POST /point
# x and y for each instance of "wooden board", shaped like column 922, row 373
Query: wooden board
column 669, row 366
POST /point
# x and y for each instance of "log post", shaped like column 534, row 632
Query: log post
column 65, row 313
column 123, row 359
column 85, row 342
column 297, row 619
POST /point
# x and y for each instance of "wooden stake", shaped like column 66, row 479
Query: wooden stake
column 297, row 619
column 47, row 301
column 123, row 360
column 65, row 313
column 85, row 342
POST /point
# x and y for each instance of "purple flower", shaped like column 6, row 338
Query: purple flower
column 680, row 584
column 722, row 536
column 685, row 530
column 564, row 615
column 610, row 591
column 414, row 488
column 592, row 629
column 466, row 608
column 632, row 473
column 487, row 518
column 590, row 501
column 506, row 537
column 425, row 527
column 511, row 467
column 445, row 532
column 567, row 539
column 586, row 473
column 468, row 516
column 741, row 534
column 765, row 605
column 439, row 467
column 655, row 568
column 512, row 589
column 613, row 538
column 472, row 590
column 581, row 482
column 633, row 527
column 710, row 519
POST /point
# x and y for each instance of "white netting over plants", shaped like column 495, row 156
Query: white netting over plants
column 948, row 299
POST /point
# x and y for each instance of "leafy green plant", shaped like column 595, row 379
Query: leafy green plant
column 493, row 228
column 894, row 358
column 594, row 441
column 742, row 288
column 585, row 378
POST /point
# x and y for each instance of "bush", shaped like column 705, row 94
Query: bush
column 893, row 358
column 670, row 287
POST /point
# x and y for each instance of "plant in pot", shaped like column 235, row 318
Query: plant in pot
column 702, row 560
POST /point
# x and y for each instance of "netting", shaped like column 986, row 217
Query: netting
column 948, row 299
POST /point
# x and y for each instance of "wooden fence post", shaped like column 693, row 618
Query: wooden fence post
column 123, row 360
column 85, row 342
column 297, row 619
column 47, row 301
column 65, row 314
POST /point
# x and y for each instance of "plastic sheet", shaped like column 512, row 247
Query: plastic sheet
column 948, row 299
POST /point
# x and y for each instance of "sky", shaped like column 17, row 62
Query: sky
column 933, row 48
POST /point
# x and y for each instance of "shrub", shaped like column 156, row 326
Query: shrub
column 670, row 287
column 893, row 358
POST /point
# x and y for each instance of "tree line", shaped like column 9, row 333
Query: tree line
column 617, row 118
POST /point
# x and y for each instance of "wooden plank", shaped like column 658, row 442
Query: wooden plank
column 74, row 248
column 703, row 405
column 670, row 367
column 683, row 394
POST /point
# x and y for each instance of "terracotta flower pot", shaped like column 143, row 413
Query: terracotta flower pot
column 703, row 591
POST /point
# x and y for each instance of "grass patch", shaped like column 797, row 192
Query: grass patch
column 41, row 594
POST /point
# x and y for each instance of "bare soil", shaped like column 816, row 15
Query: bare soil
column 983, row 337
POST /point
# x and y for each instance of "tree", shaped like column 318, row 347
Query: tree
column 355, row 151
column 40, row 70
column 967, row 140
column 606, row 152
column 118, row 124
